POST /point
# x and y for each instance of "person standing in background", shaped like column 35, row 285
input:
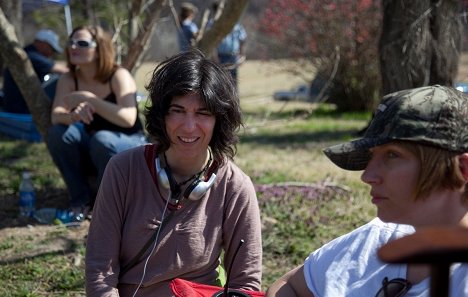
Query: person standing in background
column 40, row 52
column 188, row 29
column 231, row 50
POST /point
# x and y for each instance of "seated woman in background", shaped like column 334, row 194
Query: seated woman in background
column 415, row 160
column 94, row 114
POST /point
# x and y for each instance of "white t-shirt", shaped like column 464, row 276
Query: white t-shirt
column 349, row 266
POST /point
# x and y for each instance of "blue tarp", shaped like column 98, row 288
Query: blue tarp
column 32, row 5
column 63, row 2
column 19, row 126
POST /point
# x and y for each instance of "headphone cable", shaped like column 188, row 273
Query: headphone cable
column 154, row 245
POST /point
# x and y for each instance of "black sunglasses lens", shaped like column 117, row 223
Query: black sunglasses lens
column 394, row 288
column 80, row 43
column 83, row 43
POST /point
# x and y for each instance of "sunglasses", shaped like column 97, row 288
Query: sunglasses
column 396, row 287
column 81, row 43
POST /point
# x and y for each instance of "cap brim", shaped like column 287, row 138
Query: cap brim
column 353, row 155
column 58, row 49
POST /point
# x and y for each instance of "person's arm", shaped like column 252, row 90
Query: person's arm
column 242, row 48
column 59, row 67
column 242, row 222
column 61, row 113
column 242, row 40
column 124, row 112
column 72, row 106
column 292, row 284
column 104, row 236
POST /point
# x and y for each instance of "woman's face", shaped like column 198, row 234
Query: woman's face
column 81, row 48
column 189, row 126
column 393, row 173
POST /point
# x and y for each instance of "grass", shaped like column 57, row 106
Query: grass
column 305, row 200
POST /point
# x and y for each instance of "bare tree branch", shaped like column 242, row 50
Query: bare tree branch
column 139, row 44
column 232, row 11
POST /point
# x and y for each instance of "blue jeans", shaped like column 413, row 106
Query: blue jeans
column 74, row 150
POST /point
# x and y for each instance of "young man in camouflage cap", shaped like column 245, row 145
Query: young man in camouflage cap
column 415, row 160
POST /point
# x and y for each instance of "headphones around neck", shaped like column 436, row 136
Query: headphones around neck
column 194, row 191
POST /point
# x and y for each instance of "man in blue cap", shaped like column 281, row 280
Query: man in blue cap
column 40, row 52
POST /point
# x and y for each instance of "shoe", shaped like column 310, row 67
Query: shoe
column 76, row 214
column 87, row 213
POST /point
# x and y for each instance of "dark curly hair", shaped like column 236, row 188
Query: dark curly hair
column 191, row 72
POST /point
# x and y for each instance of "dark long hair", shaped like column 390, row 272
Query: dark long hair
column 191, row 72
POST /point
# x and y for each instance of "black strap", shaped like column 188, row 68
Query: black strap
column 150, row 155
column 139, row 257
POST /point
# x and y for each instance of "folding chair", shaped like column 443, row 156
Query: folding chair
column 438, row 247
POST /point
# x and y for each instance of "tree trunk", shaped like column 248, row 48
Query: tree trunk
column 13, row 11
column 420, row 43
column 138, row 45
column 21, row 69
column 231, row 13
column 447, row 42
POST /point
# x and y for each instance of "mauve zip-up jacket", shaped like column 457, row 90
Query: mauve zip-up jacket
column 129, row 205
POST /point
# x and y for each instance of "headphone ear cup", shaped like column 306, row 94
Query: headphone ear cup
column 190, row 189
column 198, row 188
column 162, row 175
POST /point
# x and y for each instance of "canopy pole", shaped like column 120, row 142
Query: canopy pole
column 68, row 19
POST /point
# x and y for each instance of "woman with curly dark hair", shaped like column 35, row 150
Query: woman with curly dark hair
column 198, row 205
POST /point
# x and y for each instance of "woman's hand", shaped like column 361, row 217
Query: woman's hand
column 75, row 98
column 83, row 112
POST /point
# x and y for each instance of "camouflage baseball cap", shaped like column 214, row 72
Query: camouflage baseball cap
column 433, row 115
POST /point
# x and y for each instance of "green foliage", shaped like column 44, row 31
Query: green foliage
column 112, row 15
column 339, row 37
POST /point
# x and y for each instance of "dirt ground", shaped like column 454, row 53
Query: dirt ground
column 30, row 238
column 256, row 80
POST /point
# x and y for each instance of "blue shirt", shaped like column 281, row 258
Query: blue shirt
column 230, row 45
column 14, row 101
column 188, row 31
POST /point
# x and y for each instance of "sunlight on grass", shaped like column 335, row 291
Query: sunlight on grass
column 283, row 143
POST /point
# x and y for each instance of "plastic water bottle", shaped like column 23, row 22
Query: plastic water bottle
column 27, row 196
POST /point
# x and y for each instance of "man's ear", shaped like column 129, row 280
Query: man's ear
column 463, row 160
